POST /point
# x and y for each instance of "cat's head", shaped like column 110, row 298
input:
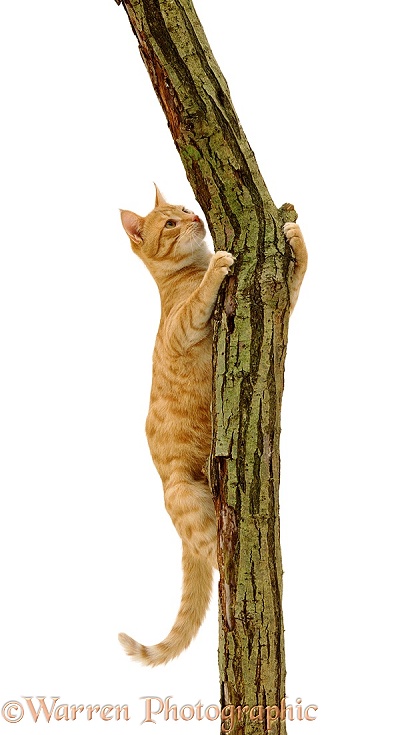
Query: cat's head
column 168, row 238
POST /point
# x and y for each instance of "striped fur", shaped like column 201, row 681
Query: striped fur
column 170, row 242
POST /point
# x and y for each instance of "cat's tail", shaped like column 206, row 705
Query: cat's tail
column 197, row 587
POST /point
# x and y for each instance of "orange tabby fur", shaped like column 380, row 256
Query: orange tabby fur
column 170, row 242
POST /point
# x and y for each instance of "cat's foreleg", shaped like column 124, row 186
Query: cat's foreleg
column 191, row 322
column 295, row 239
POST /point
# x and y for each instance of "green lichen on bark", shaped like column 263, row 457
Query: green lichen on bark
column 250, row 337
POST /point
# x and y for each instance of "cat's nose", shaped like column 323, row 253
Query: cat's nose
column 196, row 218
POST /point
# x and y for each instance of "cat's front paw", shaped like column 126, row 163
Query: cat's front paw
column 295, row 239
column 221, row 262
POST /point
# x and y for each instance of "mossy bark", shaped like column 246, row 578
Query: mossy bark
column 250, row 336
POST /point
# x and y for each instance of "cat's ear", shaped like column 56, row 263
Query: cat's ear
column 159, row 199
column 132, row 224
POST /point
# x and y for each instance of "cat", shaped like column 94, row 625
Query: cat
column 170, row 241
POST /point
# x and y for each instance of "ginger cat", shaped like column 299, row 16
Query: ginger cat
column 170, row 242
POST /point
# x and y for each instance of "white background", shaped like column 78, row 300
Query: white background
column 327, row 96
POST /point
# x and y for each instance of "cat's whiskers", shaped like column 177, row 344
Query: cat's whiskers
column 188, row 238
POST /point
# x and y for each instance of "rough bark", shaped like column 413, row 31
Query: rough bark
column 250, row 336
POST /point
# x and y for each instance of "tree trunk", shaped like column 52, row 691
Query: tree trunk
column 250, row 336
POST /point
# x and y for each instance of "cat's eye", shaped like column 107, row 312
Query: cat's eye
column 186, row 211
column 170, row 223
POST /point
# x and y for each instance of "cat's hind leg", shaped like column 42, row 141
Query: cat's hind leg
column 191, row 508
